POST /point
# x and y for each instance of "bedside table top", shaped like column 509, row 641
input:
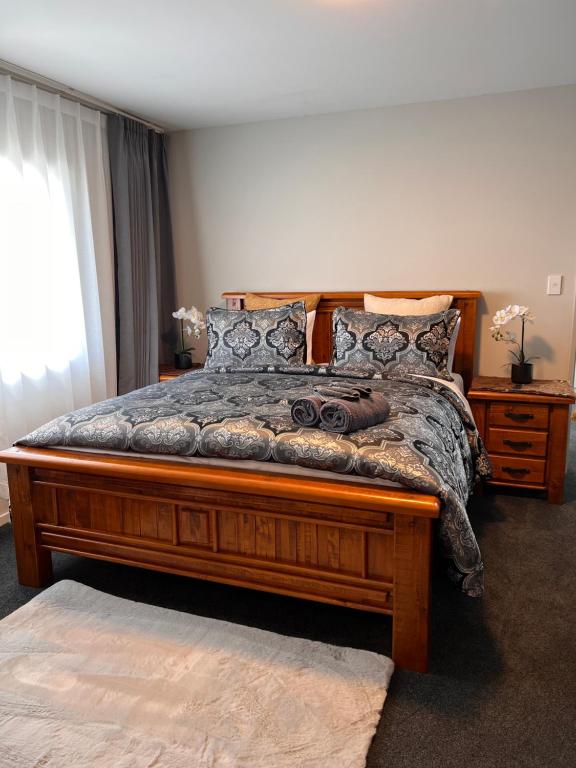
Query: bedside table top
column 542, row 387
column 169, row 372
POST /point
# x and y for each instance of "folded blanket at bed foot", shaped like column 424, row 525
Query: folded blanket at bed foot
column 343, row 407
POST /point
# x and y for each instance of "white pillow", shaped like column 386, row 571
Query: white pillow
column 428, row 306
column 310, row 318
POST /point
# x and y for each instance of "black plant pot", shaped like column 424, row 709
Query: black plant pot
column 521, row 373
column 182, row 360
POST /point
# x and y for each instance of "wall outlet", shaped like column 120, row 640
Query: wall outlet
column 554, row 285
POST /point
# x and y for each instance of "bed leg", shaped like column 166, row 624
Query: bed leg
column 411, row 617
column 34, row 563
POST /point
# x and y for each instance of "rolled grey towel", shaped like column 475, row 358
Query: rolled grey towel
column 350, row 415
column 306, row 410
column 363, row 389
column 337, row 392
column 343, row 389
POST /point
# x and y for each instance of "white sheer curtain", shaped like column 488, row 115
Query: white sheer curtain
column 57, row 338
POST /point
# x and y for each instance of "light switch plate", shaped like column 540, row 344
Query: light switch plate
column 554, row 285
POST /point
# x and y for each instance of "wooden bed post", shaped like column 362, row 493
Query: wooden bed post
column 34, row 562
column 411, row 617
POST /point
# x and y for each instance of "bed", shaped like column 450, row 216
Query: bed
column 318, row 536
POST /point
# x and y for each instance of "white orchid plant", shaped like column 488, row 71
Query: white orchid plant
column 191, row 324
column 503, row 317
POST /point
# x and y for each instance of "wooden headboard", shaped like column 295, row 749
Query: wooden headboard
column 465, row 301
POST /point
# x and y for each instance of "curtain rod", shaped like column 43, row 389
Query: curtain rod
column 32, row 78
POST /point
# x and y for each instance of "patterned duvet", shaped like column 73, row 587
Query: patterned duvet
column 429, row 442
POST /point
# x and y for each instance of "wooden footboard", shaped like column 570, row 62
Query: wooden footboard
column 361, row 546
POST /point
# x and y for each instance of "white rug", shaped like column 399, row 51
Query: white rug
column 88, row 680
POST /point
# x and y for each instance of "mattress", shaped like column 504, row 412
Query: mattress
column 457, row 386
column 241, row 418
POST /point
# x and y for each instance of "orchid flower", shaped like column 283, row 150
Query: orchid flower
column 504, row 316
column 180, row 314
column 191, row 323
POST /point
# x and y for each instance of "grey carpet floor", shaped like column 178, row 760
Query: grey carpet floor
column 502, row 686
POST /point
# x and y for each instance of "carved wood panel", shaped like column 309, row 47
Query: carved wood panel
column 258, row 535
column 105, row 513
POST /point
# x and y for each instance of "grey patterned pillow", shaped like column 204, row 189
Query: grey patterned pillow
column 243, row 338
column 392, row 343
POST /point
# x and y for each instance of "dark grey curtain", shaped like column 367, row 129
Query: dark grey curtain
column 145, row 282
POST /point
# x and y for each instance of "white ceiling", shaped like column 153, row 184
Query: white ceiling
column 190, row 63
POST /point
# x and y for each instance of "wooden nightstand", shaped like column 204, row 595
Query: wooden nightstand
column 168, row 372
column 525, row 430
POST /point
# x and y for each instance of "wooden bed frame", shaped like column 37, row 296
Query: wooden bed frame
column 346, row 543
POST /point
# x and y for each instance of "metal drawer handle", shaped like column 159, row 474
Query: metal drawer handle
column 516, row 471
column 518, row 416
column 518, row 445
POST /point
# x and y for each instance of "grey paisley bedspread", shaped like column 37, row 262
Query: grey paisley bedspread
column 429, row 442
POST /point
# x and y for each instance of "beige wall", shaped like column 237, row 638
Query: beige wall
column 474, row 193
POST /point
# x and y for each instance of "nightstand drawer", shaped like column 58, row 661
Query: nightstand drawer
column 526, row 415
column 516, row 441
column 513, row 469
